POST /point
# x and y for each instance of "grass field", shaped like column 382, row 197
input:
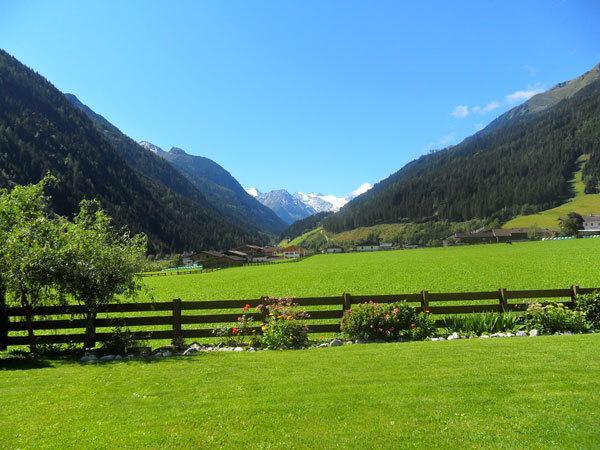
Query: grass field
column 528, row 265
column 582, row 203
column 500, row 393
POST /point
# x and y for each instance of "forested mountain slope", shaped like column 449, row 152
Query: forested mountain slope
column 521, row 163
column 40, row 132
column 222, row 190
column 194, row 177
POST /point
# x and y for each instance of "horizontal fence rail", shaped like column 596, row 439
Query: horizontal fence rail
column 174, row 318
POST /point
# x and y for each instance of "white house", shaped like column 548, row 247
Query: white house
column 334, row 249
column 591, row 225
column 386, row 245
column 367, row 247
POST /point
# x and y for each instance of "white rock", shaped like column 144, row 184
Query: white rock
column 521, row 333
column 251, row 349
column 453, row 336
column 568, row 333
column 323, row 345
column 107, row 358
column 348, row 343
column 190, row 351
column 360, row 341
column 335, row 343
column 435, row 339
column 238, row 349
column 484, row 336
column 509, row 335
column 533, row 332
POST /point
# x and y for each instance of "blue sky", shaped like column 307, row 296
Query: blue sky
column 305, row 95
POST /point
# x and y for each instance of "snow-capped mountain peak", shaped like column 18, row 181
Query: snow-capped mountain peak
column 153, row 148
column 253, row 192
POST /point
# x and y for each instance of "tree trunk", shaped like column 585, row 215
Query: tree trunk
column 90, row 330
column 29, row 321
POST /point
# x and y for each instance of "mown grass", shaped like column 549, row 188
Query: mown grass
column 528, row 265
column 505, row 393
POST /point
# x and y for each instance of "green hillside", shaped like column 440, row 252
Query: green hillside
column 582, row 203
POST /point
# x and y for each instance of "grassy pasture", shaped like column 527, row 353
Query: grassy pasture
column 528, row 265
column 498, row 393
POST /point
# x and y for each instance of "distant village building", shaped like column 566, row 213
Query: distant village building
column 386, row 246
column 334, row 249
column 293, row 251
column 591, row 225
column 254, row 253
column 367, row 247
column 212, row 259
column 493, row 236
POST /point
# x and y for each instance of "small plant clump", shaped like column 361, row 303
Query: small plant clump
column 589, row 304
column 388, row 322
column 556, row 318
column 477, row 324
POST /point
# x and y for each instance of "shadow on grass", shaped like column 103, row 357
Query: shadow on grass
column 18, row 362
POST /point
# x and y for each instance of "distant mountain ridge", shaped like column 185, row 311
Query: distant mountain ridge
column 194, row 177
column 221, row 189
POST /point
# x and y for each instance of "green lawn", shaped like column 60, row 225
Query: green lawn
column 498, row 393
column 528, row 265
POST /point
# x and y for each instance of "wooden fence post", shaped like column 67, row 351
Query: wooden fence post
column 177, row 337
column 503, row 302
column 347, row 301
column 574, row 293
column 3, row 325
column 424, row 301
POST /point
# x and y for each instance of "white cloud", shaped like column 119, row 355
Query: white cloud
column 487, row 108
column 526, row 94
column 460, row 111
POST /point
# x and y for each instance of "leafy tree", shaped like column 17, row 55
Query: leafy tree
column 100, row 263
column 29, row 259
column 571, row 224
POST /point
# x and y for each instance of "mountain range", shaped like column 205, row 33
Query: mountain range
column 521, row 163
column 297, row 206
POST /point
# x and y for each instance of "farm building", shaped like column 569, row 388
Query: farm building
column 293, row 251
column 254, row 253
column 211, row 259
column 334, row 249
column 386, row 246
column 367, row 247
column 492, row 236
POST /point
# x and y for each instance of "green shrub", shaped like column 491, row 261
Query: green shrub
column 121, row 342
column 590, row 306
column 481, row 323
column 284, row 334
column 556, row 318
column 386, row 321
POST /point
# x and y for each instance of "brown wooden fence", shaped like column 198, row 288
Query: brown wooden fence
column 178, row 316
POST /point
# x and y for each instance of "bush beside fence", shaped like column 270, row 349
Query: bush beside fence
column 176, row 320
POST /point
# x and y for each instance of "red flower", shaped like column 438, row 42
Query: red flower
column 234, row 330
column 246, row 308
